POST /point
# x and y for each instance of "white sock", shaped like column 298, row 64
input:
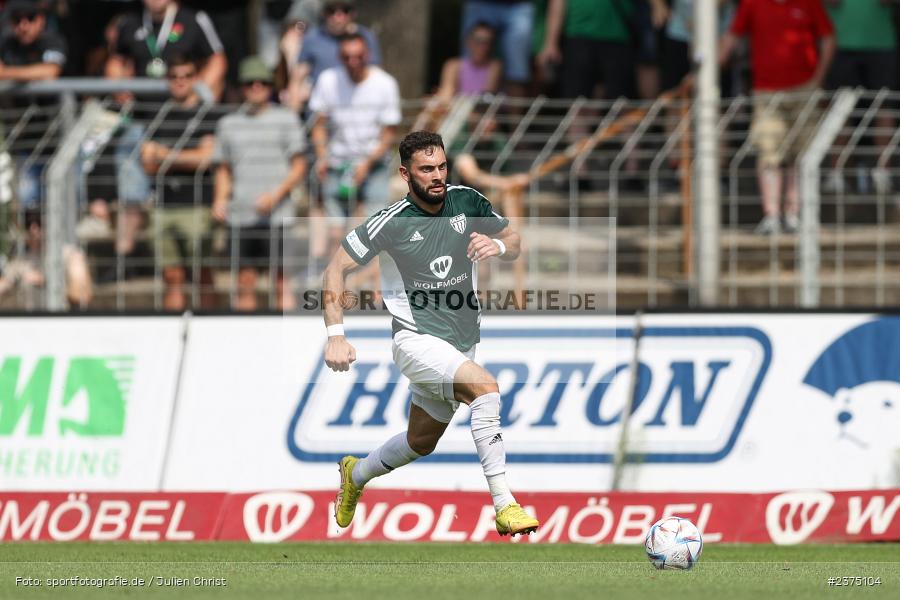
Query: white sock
column 499, row 491
column 392, row 454
column 489, row 443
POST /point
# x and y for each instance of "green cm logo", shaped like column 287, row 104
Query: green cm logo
column 102, row 382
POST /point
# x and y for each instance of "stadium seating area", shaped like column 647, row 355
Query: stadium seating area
column 79, row 206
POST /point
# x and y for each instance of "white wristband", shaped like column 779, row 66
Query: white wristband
column 336, row 329
column 501, row 245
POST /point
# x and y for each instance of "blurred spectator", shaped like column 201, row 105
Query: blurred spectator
column 259, row 161
column 598, row 46
column 866, row 56
column 30, row 53
column 230, row 19
column 675, row 57
column 676, row 62
column 7, row 175
column 866, row 44
column 477, row 72
column 276, row 17
column 513, row 21
column 320, row 45
column 84, row 25
column 165, row 29
column 97, row 56
column 181, row 215
column 291, row 84
column 646, row 25
column 791, row 47
column 356, row 112
column 25, row 270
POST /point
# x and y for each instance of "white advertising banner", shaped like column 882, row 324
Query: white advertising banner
column 723, row 402
column 86, row 402
column 259, row 409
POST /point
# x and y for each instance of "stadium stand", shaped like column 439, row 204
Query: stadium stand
column 562, row 165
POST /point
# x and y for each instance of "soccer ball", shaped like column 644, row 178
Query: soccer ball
column 673, row 543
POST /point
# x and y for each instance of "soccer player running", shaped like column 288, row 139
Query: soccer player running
column 429, row 244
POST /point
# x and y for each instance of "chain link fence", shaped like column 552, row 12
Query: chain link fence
column 81, row 226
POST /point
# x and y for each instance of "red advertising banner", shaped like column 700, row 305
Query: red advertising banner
column 410, row 516
column 109, row 516
column 620, row 518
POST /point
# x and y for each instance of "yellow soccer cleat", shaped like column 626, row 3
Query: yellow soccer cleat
column 348, row 495
column 513, row 520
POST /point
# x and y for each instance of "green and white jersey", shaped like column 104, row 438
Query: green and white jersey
column 428, row 283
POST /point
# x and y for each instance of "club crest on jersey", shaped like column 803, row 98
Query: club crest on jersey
column 458, row 223
column 441, row 266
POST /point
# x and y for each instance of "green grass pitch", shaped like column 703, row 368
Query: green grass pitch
column 433, row 572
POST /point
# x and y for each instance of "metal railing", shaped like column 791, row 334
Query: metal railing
column 635, row 168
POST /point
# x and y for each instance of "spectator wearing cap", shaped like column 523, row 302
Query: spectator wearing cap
column 513, row 21
column 30, row 52
column 163, row 30
column 791, row 48
column 258, row 158
column 356, row 110
column 320, row 44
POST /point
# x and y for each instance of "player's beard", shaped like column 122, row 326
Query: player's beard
column 427, row 195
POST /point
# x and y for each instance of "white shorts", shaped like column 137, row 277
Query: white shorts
column 430, row 363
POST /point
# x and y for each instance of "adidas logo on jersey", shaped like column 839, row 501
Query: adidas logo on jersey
column 416, row 237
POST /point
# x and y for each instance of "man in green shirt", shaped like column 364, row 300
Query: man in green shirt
column 429, row 245
column 866, row 42
column 866, row 57
column 597, row 46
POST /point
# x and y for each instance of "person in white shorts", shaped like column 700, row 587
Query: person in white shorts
column 430, row 363
column 429, row 244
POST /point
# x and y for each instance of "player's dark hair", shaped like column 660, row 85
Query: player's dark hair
column 352, row 37
column 416, row 141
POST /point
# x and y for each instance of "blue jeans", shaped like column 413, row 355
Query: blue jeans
column 132, row 182
column 513, row 23
column 30, row 187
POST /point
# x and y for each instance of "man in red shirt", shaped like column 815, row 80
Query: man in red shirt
column 791, row 47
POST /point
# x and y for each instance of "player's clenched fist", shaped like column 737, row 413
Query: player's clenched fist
column 339, row 353
column 481, row 247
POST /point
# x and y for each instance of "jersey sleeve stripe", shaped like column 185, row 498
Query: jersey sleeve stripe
column 370, row 226
column 465, row 187
column 378, row 227
column 209, row 30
